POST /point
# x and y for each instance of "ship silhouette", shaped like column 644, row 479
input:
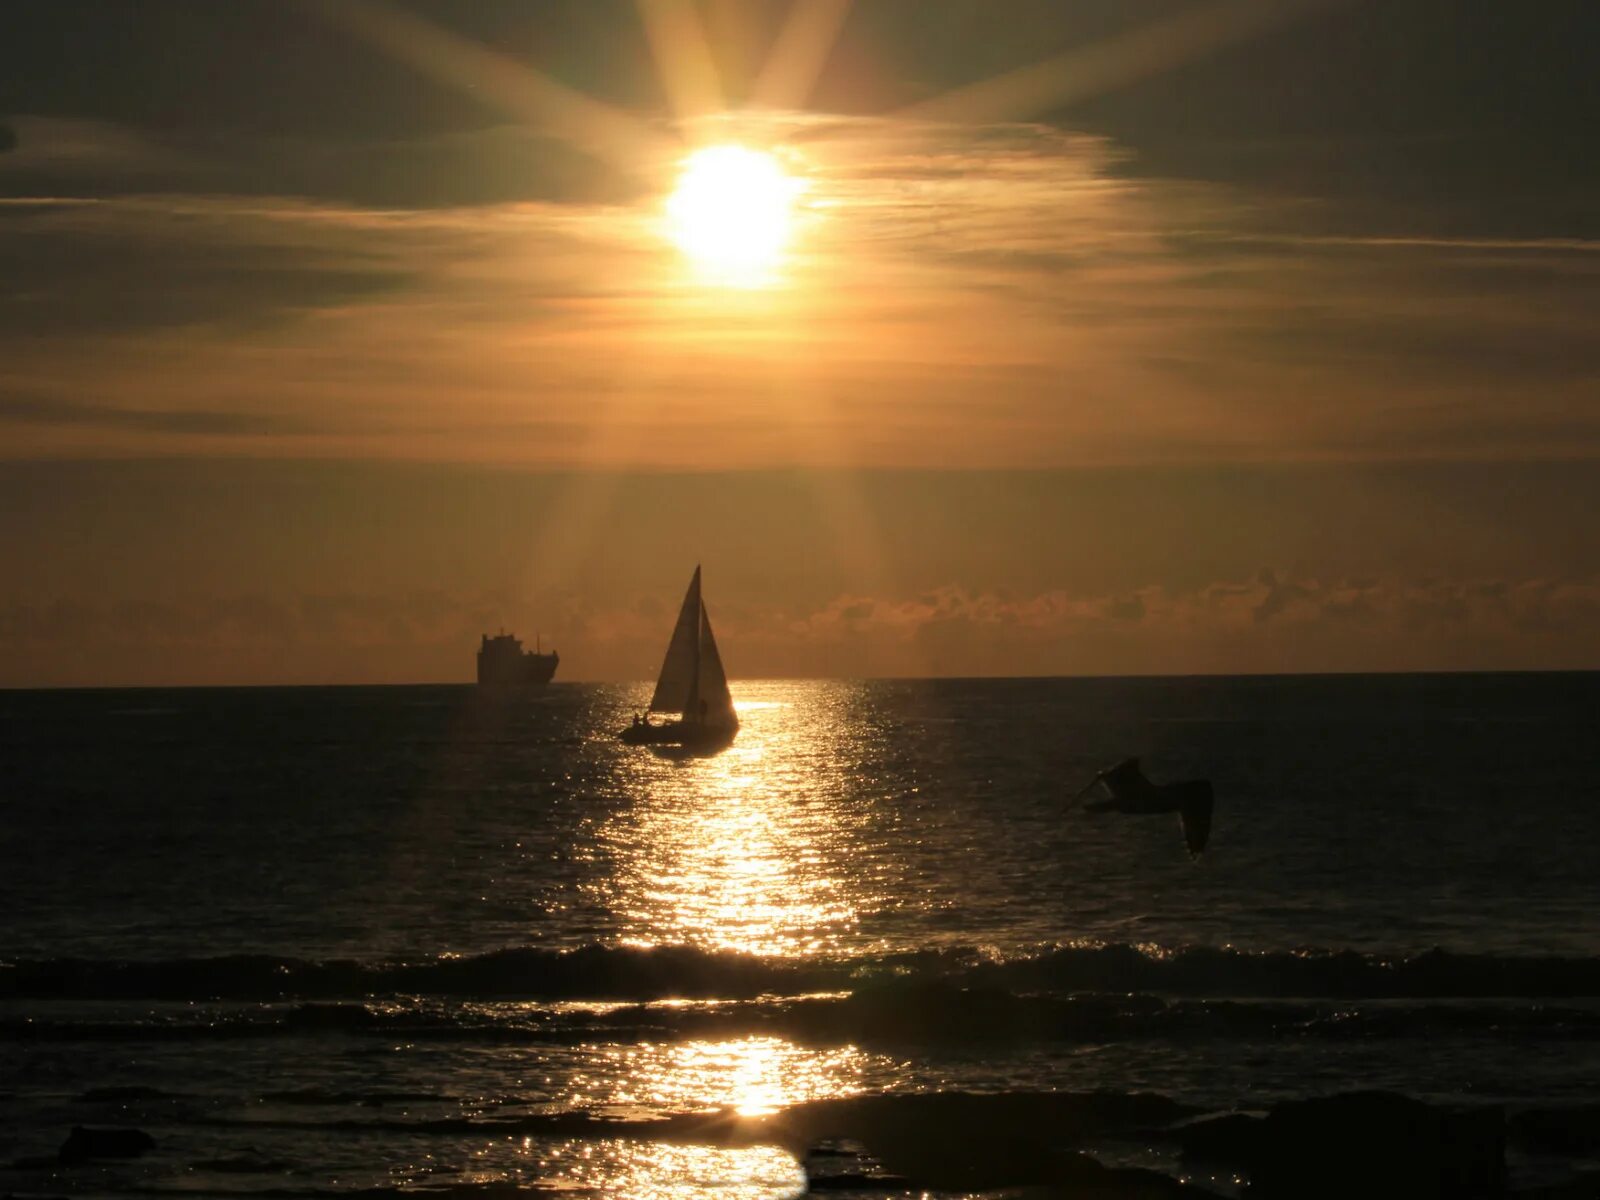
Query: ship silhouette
column 502, row 662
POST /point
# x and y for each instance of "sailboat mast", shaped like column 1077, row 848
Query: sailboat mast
column 691, row 710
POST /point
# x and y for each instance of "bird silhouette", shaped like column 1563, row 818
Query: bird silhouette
column 1128, row 791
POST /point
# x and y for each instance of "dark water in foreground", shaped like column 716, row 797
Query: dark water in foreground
column 323, row 940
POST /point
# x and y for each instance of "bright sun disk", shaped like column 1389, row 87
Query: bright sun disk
column 732, row 212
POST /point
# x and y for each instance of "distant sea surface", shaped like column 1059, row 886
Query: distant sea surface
column 317, row 941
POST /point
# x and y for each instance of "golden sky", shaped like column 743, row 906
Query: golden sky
column 1139, row 340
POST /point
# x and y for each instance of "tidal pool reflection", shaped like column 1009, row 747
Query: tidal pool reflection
column 753, row 1076
column 662, row 1171
column 743, row 850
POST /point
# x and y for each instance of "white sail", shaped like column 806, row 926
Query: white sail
column 675, row 687
column 713, row 683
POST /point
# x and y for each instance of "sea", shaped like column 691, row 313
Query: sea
column 425, row 940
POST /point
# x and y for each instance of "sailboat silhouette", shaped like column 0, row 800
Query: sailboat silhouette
column 692, row 686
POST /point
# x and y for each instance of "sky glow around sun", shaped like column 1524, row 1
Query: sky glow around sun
column 732, row 213
column 869, row 303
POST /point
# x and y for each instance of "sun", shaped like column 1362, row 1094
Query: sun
column 732, row 213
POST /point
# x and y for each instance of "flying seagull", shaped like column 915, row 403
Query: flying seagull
column 1128, row 791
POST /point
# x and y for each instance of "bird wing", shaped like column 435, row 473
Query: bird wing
column 1084, row 792
column 1195, row 812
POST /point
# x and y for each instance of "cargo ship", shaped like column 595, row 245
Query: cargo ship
column 502, row 662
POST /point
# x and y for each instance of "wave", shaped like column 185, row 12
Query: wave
column 1212, row 971
column 590, row 972
column 889, row 1015
column 635, row 974
column 1064, row 1114
column 1060, row 1117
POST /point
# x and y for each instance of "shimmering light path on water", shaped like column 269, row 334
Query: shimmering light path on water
column 750, row 849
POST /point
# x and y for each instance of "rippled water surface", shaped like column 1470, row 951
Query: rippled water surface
column 421, row 938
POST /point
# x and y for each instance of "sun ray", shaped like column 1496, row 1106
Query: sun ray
column 1110, row 64
column 683, row 56
column 786, row 79
column 598, row 129
column 799, row 53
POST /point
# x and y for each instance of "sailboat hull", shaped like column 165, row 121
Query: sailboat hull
column 679, row 733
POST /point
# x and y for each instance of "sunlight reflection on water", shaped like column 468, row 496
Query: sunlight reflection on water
column 753, row 1076
column 662, row 1171
column 744, row 850
column 747, row 850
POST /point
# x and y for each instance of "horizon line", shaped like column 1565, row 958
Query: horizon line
column 733, row 684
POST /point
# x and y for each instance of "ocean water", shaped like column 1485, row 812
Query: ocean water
column 357, row 940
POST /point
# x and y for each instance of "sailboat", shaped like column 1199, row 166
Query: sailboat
column 692, row 686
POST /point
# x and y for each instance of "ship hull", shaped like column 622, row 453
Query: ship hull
column 504, row 664
column 527, row 670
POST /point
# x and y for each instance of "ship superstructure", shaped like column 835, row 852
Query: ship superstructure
column 502, row 662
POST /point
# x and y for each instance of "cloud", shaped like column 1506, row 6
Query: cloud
column 81, row 269
column 958, row 296
column 1270, row 622
column 225, row 422
column 79, row 152
column 497, row 164
column 1281, row 597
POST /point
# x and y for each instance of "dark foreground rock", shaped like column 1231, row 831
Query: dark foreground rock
column 844, row 1166
column 1233, row 1139
column 1080, row 1177
column 961, row 1142
column 1069, row 1176
column 1583, row 1187
column 1378, row 1146
column 84, row 1144
column 1573, row 1130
